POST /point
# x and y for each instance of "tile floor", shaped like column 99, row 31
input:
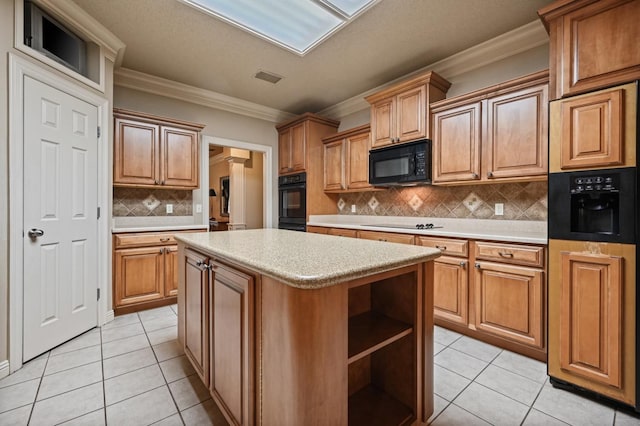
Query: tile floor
column 132, row 372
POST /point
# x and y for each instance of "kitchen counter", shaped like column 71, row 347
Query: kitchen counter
column 516, row 231
column 305, row 260
column 157, row 228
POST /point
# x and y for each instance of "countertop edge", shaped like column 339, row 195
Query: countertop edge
column 166, row 228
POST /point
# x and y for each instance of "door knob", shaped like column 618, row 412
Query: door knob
column 35, row 233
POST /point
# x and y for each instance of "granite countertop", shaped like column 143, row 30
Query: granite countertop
column 306, row 260
column 516, row 231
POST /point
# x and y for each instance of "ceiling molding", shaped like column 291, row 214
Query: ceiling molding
column 508, row 44
column 125, row 77
column 112, row 47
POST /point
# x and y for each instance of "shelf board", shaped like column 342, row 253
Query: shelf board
column 371, row 331
column 371, row 406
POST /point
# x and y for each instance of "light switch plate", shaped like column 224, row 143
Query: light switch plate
column 169, row 208
column 198, row 208
column 353, row 208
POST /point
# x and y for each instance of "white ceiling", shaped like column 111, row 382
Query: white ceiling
column 169, row 39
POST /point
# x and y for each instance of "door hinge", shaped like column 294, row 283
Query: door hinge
column 98, row 212
column 98, row 294
column 98, row 132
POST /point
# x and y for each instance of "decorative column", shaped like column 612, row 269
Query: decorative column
column 237, row 188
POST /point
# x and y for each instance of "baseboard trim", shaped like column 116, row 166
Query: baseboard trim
column 109, row 316
column 4, row 369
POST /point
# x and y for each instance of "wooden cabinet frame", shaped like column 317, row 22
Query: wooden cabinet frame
column 346, row 160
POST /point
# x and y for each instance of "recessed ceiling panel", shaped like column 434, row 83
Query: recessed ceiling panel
column 297, row 25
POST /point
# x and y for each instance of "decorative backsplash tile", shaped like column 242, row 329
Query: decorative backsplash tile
column 151, row 202
column 522, row 201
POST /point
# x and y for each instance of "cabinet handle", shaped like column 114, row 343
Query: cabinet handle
column 162, row 183
column 443, row 248
column 463, row 264
column 155, row 182
column 508, row 255
column 161, row 250
column 474, row 175
column 477, row 266
column 489, row 174
column 164, row 240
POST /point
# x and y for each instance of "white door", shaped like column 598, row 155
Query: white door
column 60, row 217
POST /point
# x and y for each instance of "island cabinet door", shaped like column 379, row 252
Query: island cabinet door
column 232, row 361
column 196, row 316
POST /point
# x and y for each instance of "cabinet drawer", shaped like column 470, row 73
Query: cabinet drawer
column 447, row 245
column 510, row 253
column 341, row 232
column 145, row 239
column 386, row 236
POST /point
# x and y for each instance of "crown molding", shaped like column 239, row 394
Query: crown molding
column 125, row 77
column 112, row 47
column 503, row 46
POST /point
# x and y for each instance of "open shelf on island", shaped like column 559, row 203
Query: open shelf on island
column 371, row 406
column 371, row 331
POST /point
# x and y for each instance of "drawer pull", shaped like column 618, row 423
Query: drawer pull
column 161, row 250
column 504, row 254
column 477, row 266
column 164, row 240
column 463, row 264
column 443, row 248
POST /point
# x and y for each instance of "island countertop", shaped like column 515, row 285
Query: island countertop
column 306, row 260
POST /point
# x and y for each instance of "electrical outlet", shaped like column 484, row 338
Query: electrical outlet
column 499, row 209
column 353, row 208
column 169, row 208
column 198, row 208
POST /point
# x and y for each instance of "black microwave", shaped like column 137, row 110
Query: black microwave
column 401, row 165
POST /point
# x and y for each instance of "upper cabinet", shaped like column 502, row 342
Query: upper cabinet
column 497, row 134
column 586, row 53
column 400, row 113
column 152, row 151
column 346, row 160
column 299, row 142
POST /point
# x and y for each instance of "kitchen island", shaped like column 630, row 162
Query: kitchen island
column 291, row 328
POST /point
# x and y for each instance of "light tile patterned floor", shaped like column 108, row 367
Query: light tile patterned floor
column 133, row 372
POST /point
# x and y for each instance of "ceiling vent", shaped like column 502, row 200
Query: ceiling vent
column 268, row 76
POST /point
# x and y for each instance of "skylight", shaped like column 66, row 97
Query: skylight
column 296, row 25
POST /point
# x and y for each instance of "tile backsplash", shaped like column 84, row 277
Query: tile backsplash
column 151, row 202
column 521, row 201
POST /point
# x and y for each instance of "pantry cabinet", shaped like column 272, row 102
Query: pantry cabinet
column 400, row 113
column 497, row 134
column 151, row 151
column 346, row 160
column 592, row 44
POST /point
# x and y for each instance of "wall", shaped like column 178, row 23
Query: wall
column 218, row 123
column 254, row 184
column 522, row 201
column 151, row 202
column 217, row 169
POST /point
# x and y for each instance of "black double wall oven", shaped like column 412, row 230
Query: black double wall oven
column 292, row 201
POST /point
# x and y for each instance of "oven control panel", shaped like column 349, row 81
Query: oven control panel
column 599, row 183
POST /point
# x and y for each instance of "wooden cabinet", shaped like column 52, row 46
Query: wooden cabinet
column 342, row 232
column 232, row 343
column 152, row 151
column 592, row 45
column 144, row 270
column 594, row 130
column 497, row 134
column 400, row 113
column 390, row 237
column 451, row 278
column 592, row 316
column 292, row 149
column 346, row 160
column 196, row 312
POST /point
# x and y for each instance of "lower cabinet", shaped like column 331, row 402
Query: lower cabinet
column 145, row 271
column 232, row 347
column 196, row 312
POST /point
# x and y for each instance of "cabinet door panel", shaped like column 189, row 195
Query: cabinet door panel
column 171, row 271
column 456, row 148
column 516, row 141
column 591, row 318
column 284, row 151
column 592, row 134
column 450, row 289
column 508, row 302
column 298, row 148
column 334, row 166
column 231, row 363
column 383, row 119
column 358, row 161
column 180, row 157
column 196, row 316
column 136, row 146
column 387, row 236
column 411, row 122
column 139, row 275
